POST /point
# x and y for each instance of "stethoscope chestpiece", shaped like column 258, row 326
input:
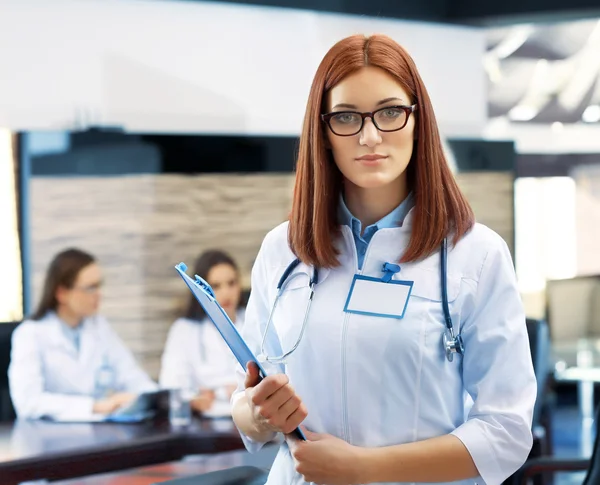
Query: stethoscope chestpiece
column 453, row 345
column 264, row 359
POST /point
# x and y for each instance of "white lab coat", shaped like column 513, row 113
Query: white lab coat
column 375, row 381
column 48, row 377
column 196, row 356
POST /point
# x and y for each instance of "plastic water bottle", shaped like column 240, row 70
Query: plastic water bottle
column 104, row 380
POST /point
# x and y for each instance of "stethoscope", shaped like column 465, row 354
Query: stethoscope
column 453, row 343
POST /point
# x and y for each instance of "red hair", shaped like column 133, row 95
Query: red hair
column 440, row 207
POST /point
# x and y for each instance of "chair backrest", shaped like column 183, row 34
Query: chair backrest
column 595, row 310
column 539, row 343
column 569, row 305
column 593, row 474
column 7, row 412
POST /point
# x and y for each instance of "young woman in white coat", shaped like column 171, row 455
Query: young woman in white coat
column 66, row 362
column 373, row 369
column 196, row 357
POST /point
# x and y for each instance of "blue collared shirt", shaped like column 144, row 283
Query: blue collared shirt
column 393, row 219
column 73, row 334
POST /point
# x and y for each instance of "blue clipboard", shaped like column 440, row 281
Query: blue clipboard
column 206, row 297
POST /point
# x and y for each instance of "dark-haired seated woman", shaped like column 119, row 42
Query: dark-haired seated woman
column 66, row 361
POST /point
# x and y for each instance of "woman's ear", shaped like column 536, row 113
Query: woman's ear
column 416, row 126
column 326, row 141
column 61, row 294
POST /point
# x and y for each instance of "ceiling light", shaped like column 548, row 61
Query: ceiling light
column 591, row 114
column 522, row 113
column 515, row 39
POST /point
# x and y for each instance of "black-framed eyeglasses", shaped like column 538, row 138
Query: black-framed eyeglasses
column 349, row 123
column 90, row 289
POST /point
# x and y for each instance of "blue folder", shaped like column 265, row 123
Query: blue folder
column 203, row 292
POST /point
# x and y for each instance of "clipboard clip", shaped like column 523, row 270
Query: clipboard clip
column 182, row 267
column 205, row 286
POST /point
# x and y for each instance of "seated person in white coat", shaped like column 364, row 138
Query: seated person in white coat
column 397, row 304
column 66, row 361
column 196, row 357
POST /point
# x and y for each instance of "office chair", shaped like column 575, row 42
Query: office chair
column 7, row 412
column 550, row 465
column 539, row 343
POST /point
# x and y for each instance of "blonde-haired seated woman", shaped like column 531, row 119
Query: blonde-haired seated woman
column 196, row 358
column 66, row 361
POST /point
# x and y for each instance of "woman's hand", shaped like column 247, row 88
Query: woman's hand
column 325, row 459
column 112, row 403
column 274, row 405
column 203, row 401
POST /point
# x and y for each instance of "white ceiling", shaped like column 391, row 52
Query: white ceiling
column 544, row 73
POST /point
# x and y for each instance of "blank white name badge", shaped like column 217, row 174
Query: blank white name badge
column 372, row 296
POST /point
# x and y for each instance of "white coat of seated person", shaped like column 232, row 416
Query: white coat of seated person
column 196, row 358
column 67, row 363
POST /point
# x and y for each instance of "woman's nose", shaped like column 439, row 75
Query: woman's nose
column 369, row 134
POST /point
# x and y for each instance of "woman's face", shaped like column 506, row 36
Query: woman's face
column 371, row 158
column 83, row 298
column 225, row 282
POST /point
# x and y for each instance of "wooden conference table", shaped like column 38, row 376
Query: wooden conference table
column 188, row 468
column 35, row 450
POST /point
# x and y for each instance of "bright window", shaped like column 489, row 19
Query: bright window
column 546, row 234
column 11, row 286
